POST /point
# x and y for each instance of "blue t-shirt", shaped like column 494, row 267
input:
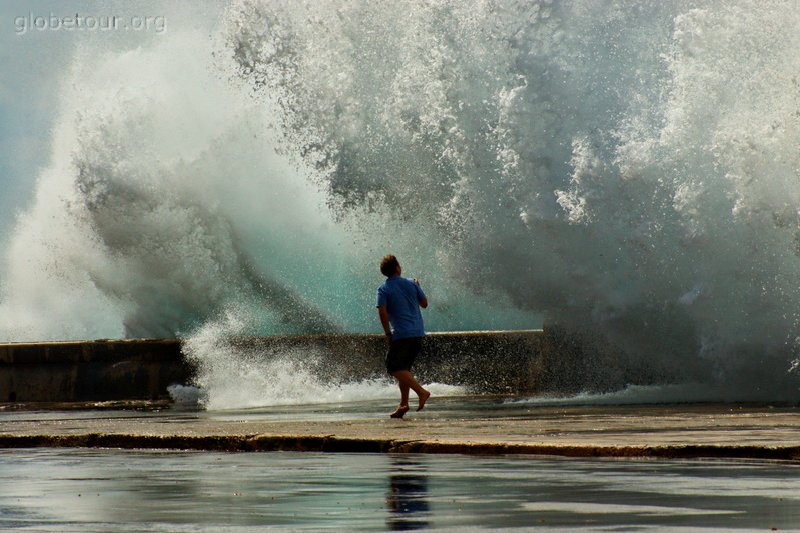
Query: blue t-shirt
column 401, row 297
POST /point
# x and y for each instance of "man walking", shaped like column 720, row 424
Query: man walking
column 399, row 302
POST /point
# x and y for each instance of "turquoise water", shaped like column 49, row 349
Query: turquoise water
column 626, row 170
column 116, row 490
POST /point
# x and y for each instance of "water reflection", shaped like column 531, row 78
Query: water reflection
column 114, row 490
column 407, row 498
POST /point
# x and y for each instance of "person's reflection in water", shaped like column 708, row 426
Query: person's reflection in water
column 408, row 492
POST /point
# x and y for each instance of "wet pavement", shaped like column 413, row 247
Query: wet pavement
column 475, row 425
column 489, row 463
column 132, row 490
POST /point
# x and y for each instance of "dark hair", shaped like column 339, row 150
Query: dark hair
column 389, row 265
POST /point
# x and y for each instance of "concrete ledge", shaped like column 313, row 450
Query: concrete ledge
column 666, row 432
column 114, row 370
column 90, row 370
column 330, row 444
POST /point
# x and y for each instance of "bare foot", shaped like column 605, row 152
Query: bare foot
column 399, row 412
column 422, row 399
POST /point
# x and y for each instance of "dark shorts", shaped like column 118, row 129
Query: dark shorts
column 401, row 354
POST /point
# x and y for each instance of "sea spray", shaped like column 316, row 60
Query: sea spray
column 234, row 377
column 234, row 371
column 165, row 201
column 627, row 171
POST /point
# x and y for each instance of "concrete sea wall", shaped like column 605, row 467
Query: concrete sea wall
column 142, row 369
column 100, row 370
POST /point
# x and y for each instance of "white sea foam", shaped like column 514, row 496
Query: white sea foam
column 630, row 171
column 233, row 376
column 658, row 394
column 626, row 171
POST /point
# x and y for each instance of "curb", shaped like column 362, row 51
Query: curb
column 331, row 444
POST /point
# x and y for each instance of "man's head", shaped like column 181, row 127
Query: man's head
column 390, row 266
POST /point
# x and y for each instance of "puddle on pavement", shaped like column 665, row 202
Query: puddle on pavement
column 124, row 490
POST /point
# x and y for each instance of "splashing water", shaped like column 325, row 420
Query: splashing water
column 629, row 172
column 234, row 376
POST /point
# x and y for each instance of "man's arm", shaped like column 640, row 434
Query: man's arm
column 384, row 316
column 423, row 300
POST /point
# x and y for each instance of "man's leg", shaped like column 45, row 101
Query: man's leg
column 402, row 409
column 405, row 379
column 404, row 389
